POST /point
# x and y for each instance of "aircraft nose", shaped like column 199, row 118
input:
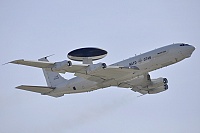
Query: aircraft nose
column 192, row 48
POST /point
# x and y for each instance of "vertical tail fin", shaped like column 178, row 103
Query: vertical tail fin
column 53, row 79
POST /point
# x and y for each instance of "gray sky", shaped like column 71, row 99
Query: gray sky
column 32, row 29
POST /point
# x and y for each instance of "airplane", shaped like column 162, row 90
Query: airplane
column 132, row 73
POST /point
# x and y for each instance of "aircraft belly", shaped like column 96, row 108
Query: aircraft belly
column 77, row 85
column 69, row 90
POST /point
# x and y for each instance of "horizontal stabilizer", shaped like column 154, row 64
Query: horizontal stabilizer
column 39, row 64
column 39, row 89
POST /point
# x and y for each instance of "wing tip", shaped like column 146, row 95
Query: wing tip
column 13, row 62
column 16, row 61
column 19, row 87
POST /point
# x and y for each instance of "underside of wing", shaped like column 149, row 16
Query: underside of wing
column 39, row 89
column 138, row 83
column 133, row 87
column 39, row 64
column 144, row 84
column 60, row 67
column 75, row 68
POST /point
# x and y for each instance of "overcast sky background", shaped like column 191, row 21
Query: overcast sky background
column 31, row 29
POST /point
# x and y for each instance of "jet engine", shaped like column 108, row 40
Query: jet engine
column 157, row 83
column 159, row 89
column 59, row 66
column 92, row 68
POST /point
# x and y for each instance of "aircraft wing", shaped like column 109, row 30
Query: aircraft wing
column 45, row 64
column 100, row 75
column 39, row 64
column 129, row 84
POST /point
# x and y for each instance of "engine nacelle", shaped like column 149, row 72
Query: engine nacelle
column 159, row 89
column 59, row 66
column 92, row 68
column 157, row 83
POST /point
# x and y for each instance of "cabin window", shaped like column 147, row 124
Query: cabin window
column 184, row 45
column 161, row 52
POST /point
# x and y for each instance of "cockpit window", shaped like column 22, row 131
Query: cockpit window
column 184, row 44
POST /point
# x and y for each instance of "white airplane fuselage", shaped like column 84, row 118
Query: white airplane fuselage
column 146, row 62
